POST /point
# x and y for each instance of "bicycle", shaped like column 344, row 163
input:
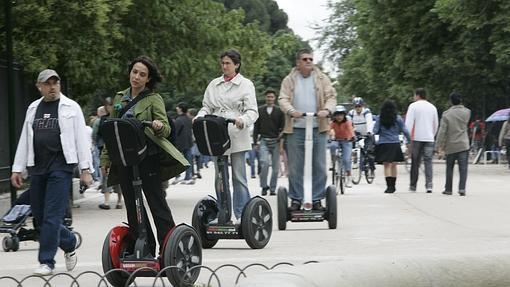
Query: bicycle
column 338, row 176
column 361, row 158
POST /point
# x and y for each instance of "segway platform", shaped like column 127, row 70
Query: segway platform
column 307, row 215
column 224, row 231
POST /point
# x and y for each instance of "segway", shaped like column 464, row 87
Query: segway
column 212, row 217
column 123, row 254
column 306, row 213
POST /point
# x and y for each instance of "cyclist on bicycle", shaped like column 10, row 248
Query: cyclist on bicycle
column 342, row 134
column 363, row 122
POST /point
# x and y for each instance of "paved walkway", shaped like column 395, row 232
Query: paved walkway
column 372, row 226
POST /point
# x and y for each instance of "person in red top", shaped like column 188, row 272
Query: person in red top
column 342, row 133
column 477, row 131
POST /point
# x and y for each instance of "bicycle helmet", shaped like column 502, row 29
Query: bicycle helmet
column 358, row 101
column 339, row 109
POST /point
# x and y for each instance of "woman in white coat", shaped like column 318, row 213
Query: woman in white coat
column 233, row 96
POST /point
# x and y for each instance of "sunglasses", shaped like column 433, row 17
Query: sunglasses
column 307, row 59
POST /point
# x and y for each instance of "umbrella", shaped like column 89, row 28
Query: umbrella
column 498, row 116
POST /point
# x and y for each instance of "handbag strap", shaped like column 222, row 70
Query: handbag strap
column 133, row 102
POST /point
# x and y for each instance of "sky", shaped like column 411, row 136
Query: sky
column 302, row 14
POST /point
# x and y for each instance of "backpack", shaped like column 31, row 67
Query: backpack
column 211, row 135
column 125, row 140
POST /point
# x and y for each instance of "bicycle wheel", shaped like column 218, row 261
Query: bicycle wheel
column 340, row 182
column 356, row 166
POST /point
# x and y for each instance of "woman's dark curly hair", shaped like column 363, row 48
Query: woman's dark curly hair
column 388, row 116
column 154, row 73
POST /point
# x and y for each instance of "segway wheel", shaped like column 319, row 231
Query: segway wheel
column 117, row 278
column 205, row 211
column 183, row 250
column 7, row 243
column 257, row 223
column 331, row 207
column 283, row 203
column 79, row 239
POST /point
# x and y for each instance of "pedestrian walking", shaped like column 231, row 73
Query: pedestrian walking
column 266, row 138
column 504, row 138
column 389, row 126
column 52, row 142
column 306, row 89
column 453, row 141
column 162, row 162
column 421, row 122
column 232, row 96
column 184, row 139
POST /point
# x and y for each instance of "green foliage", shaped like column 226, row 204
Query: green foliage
column 388, row 48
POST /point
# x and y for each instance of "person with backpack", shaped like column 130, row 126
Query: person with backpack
column 162, row 162
column 232, row 96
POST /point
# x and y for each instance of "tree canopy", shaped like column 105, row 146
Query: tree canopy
column 387, row 48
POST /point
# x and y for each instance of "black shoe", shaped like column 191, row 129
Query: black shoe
column 429, row 190
column 264, row 191
column 295, row 205
column 104, row 206
column 317, row 205
column 462, row 192
column 447, row 192
column 272, row 192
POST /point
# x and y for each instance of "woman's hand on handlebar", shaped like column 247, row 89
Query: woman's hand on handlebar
column 157, row 125
column 239, row 123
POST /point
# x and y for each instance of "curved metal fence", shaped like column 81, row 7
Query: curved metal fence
column 209, row 277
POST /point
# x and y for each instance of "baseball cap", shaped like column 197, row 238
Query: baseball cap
column 46, row 74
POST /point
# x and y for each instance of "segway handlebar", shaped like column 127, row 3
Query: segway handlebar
column 310, row 114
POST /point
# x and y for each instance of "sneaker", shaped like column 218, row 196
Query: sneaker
column 429, row 190
column 272, row 192
column 264, row 191
column 462, row 192
column 348, row 181
column 317, row 205
column 447, row 192
column 176, row 181
column 104, row 206
column 43, row 270
column 253, row 176
column 412, row 188
column 71, row 260
column 118, row 206
column 295, row 205
column 188, row 182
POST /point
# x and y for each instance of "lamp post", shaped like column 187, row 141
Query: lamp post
column 10, row 87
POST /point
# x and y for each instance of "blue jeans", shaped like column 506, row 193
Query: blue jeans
column 241, row 194
column 346, row 153
column 189, row 157
column 462, row 160
column 95, row 162
column 49, row 199
column 269, row 147
column 252, row 156
column 419, row 149
column 295, row 146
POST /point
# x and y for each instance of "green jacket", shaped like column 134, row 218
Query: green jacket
column 150, row 108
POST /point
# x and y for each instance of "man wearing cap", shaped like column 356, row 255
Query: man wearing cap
column 53, row 141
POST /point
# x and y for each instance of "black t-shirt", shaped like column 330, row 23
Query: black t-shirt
column 47, row 146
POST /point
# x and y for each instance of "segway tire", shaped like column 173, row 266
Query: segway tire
column 283, row 211
column 257, row 223
column 183, row 254
column 198, row 221
column 117, row 278
column 331, row 207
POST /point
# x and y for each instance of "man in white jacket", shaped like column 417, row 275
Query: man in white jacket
column 53, row 141
column 421, row 122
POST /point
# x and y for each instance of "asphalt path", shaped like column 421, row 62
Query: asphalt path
column 371, row 224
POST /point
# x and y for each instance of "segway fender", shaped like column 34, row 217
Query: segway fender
column 117, row 236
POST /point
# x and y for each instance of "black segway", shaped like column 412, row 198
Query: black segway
column 306, row 213
column 123, row 254
column 211, row 217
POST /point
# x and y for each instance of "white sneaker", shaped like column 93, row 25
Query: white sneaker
column 43, row 270
column 348, row 181
column 71, row 260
